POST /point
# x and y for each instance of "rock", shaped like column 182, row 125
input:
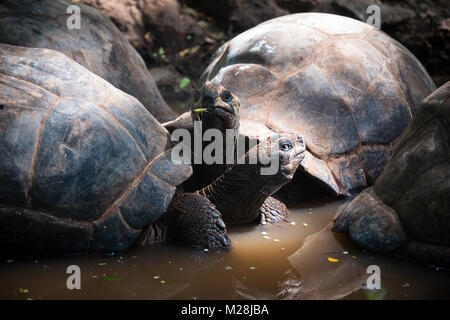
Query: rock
column 174, row 89
column 152, row 24
column 240, row 15
column 127, row 16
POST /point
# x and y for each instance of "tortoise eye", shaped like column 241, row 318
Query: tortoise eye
column 285, row 146
column 226, row 96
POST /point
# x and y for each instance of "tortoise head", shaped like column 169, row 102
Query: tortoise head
column 216, row 107
column 286, row 152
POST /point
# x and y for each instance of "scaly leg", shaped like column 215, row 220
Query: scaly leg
column 273, row 211
column 195, row 221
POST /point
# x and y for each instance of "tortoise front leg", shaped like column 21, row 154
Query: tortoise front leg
column 273, row 211
column 195, row 221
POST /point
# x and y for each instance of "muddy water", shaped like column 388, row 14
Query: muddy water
column 264, row 263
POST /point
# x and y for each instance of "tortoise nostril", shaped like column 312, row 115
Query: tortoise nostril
column 208, row 101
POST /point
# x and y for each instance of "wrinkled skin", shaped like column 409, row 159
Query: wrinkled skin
column 218, row 108
column 242, row 191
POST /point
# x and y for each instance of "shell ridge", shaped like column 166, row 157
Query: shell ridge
column 132, row 186
column 36, row 149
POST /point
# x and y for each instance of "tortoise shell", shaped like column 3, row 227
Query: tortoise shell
column 346, row 86
column 416, row 180
column 83, row 165
column 98, row 45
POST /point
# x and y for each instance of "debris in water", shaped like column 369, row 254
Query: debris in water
column 46, row 268
column 108, row 278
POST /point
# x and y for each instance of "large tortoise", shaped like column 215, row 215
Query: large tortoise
column 408, row 208
column 346, row 86
column 98, row 45
column 86, row 168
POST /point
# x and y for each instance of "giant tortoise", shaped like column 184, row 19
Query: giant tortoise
column 408, row 208
column 346, row 86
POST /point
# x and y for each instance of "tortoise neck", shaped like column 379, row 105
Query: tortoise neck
column 204, row 173
column 239, row 193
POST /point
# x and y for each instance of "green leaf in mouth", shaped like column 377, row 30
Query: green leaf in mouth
column 200, row 110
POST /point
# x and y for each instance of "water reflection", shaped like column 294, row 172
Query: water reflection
column 265, row 262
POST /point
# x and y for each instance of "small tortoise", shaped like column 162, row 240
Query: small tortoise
column 346, row 86
column 98, row 45
column 86, row 168
column 408, row 208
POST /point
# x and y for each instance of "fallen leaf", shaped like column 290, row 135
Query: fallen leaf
column 184, row 83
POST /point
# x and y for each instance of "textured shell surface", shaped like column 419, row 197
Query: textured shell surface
column 78, row 154
column 346, row 86
column 416, row 180
column 98, row 45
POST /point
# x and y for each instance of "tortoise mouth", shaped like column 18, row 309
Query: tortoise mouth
column 214, row 109
column 289, row 170
column 220, row 108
